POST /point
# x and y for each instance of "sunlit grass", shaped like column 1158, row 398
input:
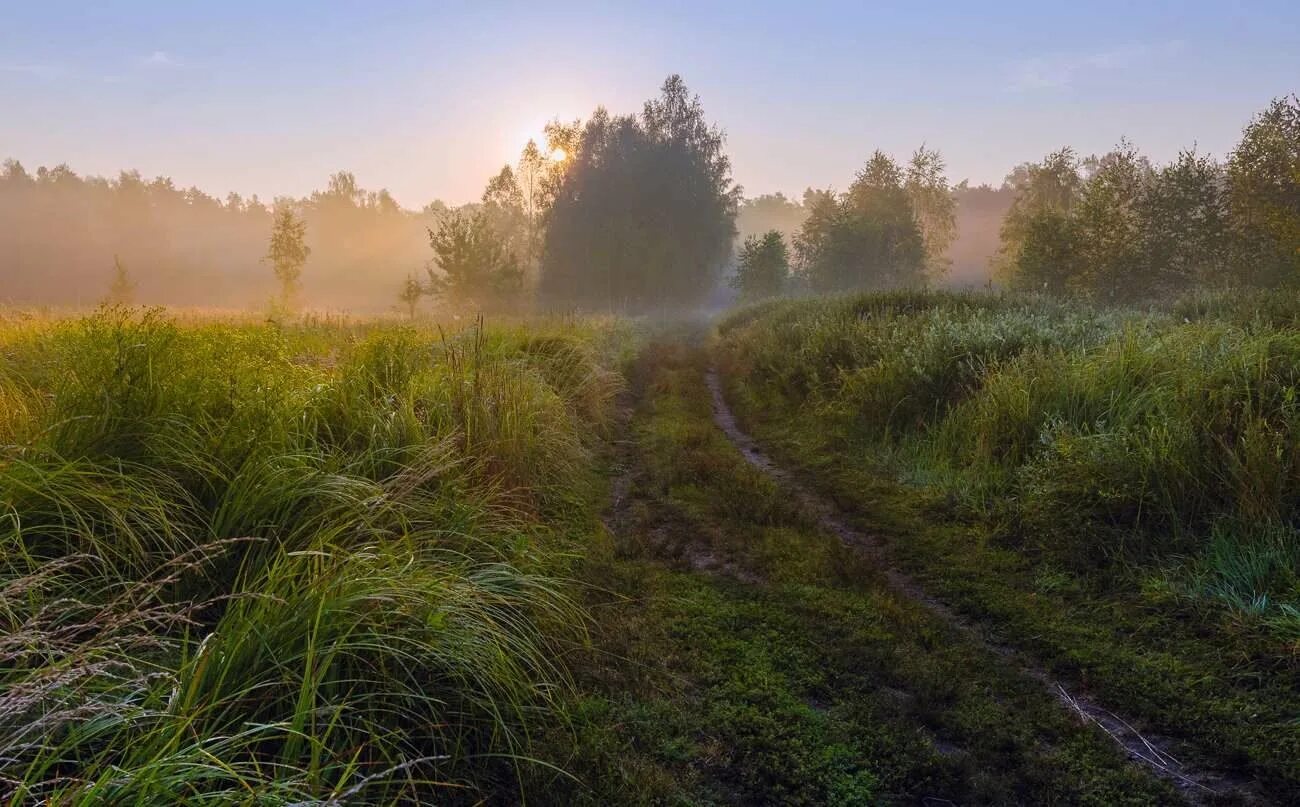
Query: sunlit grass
column 258, row 561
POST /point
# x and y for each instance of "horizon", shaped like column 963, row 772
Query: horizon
column 428, row 103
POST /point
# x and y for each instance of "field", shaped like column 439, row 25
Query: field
column 1113, row 490
column 369, row 561
column 245, row 563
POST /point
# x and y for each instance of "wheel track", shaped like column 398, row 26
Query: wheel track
column 1195, row 778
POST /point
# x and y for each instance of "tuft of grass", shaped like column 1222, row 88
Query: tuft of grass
column 270, row 563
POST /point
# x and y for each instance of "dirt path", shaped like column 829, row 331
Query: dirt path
column 1198, row 781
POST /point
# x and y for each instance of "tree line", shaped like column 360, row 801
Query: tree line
column 639, row 213
column 1116, row 227
column 63, row 237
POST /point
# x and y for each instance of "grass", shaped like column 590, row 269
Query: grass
column 741, row 655
column 249, row 562
column 1114, row 489
column 364, row 562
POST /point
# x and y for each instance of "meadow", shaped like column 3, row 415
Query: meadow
column 252, row 562
column 1114, row 487
column 373, row 561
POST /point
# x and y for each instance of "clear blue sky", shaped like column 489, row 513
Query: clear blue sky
column 429, row 98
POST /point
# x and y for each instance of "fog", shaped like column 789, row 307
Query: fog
column 61, row 233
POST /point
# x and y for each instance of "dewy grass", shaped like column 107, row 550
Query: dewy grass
column 263, row 563
column 1117, row 490
column 744, row 656
column 1103, row 435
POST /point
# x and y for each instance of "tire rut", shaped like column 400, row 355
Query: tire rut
column 1176, row 762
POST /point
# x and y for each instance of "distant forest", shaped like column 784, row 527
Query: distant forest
column 639, row 212
column 60, row 232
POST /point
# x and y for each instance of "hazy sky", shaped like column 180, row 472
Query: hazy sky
column 427, row 99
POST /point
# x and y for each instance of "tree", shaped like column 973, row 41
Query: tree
column 1108, row 227
column 771, row 211
column 643, row 213
column 531, row 178
column 935, row 207
column 1264, row 195
column 503, row 205
column 1050, row 187
column 1048, row 258
column 868, row 237
column 763, row 267
column 1185, row 226
column 474, row 266
column 121, row 291
column 288, row 253
column 410, row 294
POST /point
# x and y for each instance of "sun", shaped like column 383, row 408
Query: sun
column 559, row 155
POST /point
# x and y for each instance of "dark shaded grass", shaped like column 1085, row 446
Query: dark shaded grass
column 742, row 656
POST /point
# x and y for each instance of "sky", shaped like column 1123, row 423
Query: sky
column 428, row 99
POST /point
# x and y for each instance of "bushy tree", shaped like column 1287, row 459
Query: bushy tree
column 642, row 215
column 1067, row 232
column 1048, row 258
column 1043, row 191
column 935, row 206
column 1185, row 225
column 868, row 237
column 1264, row 195
column 771, row 211
column 288, row 253
column 1108, row 227
column 503, row 205
column 472, row 265
column 763, row 267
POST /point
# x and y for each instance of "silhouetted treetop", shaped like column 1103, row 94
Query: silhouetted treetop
column 643, row 215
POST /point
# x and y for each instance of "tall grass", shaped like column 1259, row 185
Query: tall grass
column 241, row 561
column 1099, row 435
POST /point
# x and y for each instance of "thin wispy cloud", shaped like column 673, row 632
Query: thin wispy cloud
column 161, row 58
column 1062, row 70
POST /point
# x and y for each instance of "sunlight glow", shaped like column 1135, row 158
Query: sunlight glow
column 559, row 155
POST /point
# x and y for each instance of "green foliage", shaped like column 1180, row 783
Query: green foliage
column 1186, row 240
column 475, row 266
column 868, row 237
column 643, row 214
column 1123, row 231
column 1044, row 191
column 288, row 253
column 1108, row 228
column 763, row 267
column 1264, row 194
column 935, row 207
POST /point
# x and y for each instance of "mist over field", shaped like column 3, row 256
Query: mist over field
column 60, row 233
column 624, row 404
